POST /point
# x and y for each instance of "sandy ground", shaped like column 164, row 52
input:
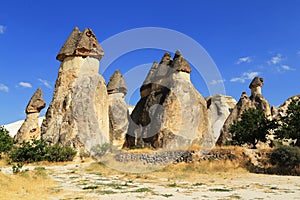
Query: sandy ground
column 80, row 181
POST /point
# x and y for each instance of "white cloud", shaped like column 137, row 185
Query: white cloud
column 25, row 85
column 298, row 53
column 244, row 60
column 3, row 88
column 45, row 83
column 214, row 82
column 245, row 76
column 275, row 60
column 2, row 29
column 285, row 68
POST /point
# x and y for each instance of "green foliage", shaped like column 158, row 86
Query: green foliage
column 252, row 128
column 6, row 142
column 100, row 150
column 17, row 168
column 290, row 124
column 38, row 150
column 285, row 156
column 58, row 153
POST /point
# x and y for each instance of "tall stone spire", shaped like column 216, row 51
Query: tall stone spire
column 30, row 128
column 78, row 113
column 118, row 109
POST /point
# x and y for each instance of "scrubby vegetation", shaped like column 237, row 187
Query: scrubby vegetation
column 33, row 150
column 38, row 150
column 285, row 156
column 252, row 128
column 6, row 142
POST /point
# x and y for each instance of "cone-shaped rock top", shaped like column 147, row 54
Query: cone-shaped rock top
column 117, row 84
column 256, row 82
column 180, row 64
column 81, row 44
column 36, row 103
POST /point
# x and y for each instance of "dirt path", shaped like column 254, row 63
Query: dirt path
column 75, row 182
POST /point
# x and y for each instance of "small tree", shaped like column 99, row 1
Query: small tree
column 290, row 123
column 252, row 128
column 6, row 142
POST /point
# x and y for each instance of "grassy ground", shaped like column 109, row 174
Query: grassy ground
column 29, row 185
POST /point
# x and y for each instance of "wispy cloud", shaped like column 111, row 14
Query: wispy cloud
column 245, row 76
column 298, row 53
column 2, row 29
column 244, row 60
column 3, row 88
column 283, row 68
column 45, row 83
column 275, row 59
column 215, row 82
column 25, row 85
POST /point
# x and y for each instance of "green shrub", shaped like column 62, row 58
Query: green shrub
column 29, row 151
column 6, row 142
column 58, row 153
column 285, row 156
column 38, row 150
column 100, row 150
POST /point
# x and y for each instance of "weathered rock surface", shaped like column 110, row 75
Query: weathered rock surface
column 256, row 100
column 30, row 128
column 78, row 113
column 219, row 108
column 171, row 113
column 281, row 110
column 118, row 109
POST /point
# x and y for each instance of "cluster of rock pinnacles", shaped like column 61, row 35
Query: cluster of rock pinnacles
column 171, row 113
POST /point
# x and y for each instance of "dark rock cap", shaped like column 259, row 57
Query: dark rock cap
column 117, row 83
column 36, row 103
column 180, row 64
column 81, row 44
column 166, row 59
column 256, row 82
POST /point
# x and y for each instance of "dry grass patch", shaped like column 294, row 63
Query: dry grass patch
column 29, row 185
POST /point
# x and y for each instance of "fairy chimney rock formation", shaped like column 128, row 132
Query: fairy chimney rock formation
column 118, row 109
column 30, row 128
column 256, row 85
column 256, row 101
column 171, row 113
column 219, row 108
column 78, row 113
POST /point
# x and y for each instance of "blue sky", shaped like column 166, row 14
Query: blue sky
column 244, row 39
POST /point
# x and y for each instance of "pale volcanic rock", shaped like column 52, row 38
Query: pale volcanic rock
column 30, row 128
column 219, row 108
column 78, row 113
column 279, row 112
column 118, row 109
column 171, row 113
